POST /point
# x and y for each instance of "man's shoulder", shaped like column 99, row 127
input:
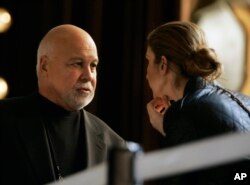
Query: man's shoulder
column 16, row 100
column 94, row 120
column 17, row 103
column 97, row 125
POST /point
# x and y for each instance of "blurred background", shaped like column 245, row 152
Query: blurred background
column 119, row 29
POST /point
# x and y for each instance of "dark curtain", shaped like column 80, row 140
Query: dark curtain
column 119, row 29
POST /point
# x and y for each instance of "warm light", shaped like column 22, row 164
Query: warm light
column 3, row 88
column 5, row 20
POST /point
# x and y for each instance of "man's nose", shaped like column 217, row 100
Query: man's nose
column 87, row 74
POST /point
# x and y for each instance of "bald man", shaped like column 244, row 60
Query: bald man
column 48, row 135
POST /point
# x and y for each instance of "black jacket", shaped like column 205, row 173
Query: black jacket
column 25, row 153
column 206, row 110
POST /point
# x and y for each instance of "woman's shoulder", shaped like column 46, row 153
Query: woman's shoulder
column 227, row 106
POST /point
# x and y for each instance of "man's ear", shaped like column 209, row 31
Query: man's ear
column 164, row 64
column 43, row 64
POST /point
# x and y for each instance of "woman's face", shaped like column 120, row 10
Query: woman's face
column 154, row 77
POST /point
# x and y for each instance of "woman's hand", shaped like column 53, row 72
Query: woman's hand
column 156, row 109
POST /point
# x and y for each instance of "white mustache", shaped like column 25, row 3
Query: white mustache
column 84, row 86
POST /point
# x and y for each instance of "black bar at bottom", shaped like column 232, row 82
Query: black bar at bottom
column 121, row 164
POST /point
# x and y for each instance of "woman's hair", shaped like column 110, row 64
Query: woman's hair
column 184, row 44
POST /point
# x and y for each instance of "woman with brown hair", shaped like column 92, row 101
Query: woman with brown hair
column 188, row 104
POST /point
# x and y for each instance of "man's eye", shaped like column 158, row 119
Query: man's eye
column 77, row 64
column 93, row 65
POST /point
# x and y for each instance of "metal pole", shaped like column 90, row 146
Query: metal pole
column 121, row 164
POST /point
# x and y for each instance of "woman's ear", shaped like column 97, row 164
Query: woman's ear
column 164, row 64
